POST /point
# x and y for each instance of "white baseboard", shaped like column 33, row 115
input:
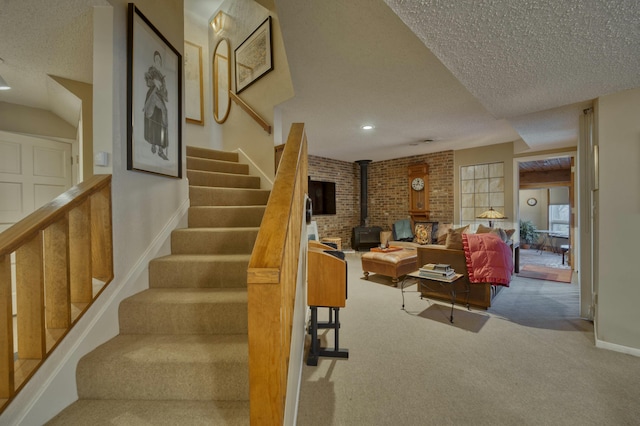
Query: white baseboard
column 617, row 348
column 265, row 181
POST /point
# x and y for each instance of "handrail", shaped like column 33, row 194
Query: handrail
column 242, row 104
column 63, row 260
column 271, row 279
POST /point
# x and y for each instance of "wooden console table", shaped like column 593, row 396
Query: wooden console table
column 326, row 288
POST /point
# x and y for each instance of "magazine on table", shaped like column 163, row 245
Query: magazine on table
column 440, row 267
column 430, row 273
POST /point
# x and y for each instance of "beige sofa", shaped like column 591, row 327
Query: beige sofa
column 415, row 255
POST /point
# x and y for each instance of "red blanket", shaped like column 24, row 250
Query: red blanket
column 488, row 259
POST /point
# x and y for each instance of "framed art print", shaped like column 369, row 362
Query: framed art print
column 254, row 57
column 154, row 99
column 193, row 102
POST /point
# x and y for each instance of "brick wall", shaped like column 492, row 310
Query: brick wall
column 388, row 192
column 389, row 188
column 346, row 176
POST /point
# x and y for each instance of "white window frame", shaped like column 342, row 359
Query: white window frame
column 553, row 222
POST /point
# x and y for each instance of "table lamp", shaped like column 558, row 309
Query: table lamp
column 492, row 215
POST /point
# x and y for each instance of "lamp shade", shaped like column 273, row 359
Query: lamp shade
column 492, row 215
column 3, row 84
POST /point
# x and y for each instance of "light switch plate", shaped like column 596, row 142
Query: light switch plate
column 101, row 158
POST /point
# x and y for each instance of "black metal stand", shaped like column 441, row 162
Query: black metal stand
column 423, row 282
column 317, row 351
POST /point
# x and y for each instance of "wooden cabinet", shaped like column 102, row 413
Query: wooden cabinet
column 326, row 279
column 419, row 192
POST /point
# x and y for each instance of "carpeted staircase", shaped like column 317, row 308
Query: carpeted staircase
column 181, row 356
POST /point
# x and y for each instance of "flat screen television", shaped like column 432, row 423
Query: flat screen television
column 323, row 197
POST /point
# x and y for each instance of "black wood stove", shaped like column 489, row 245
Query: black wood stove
column 364, row 237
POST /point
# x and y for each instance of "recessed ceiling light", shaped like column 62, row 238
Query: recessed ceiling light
column 367, row 127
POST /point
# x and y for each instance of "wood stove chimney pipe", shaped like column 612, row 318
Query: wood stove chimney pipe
column 364, row 167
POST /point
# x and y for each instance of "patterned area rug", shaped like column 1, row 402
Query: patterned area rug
column 540, row 272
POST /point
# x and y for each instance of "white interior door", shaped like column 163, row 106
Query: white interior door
column 33, row 171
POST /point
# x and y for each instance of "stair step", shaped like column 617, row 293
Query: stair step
column 206, row 196
column 182, row 353
column 195, row 163
column 167, row 367
column 213, row 240
column 225, row 216
column 185, row 311
column 140, row 412
column 212, row 154
column 199, row 271
column 226, row 180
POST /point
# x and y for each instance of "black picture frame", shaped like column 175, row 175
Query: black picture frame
column 154, row 99
column 254, row 56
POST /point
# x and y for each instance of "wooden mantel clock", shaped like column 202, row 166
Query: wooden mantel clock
column 419, row 192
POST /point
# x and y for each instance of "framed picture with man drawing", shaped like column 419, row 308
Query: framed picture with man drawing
column 154, row 99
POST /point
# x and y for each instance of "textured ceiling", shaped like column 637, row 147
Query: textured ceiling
column 483, row 72
column 531, row 55
column 40, row 40
column 464, row 73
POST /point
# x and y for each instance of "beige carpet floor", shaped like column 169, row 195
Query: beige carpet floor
column 528, row 360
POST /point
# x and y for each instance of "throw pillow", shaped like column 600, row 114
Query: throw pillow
column 434, row 231
column 454, row 238
column 505, row 235
column 443, row 230
column 483, row 229
column 500, row 233
column 422, row 233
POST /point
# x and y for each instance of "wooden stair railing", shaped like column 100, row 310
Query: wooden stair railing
column 242, row 104
column 63, row 255
column 272, row 278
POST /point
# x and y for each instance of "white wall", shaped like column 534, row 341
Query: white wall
column 145, row 209
column 538, row 213
column 142, row 202
column 208, row 135
column 240, row 131
column 102, row 86
column 617, row 311
column 34, row 121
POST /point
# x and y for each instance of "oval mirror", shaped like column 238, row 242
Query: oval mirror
column 221, row 81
